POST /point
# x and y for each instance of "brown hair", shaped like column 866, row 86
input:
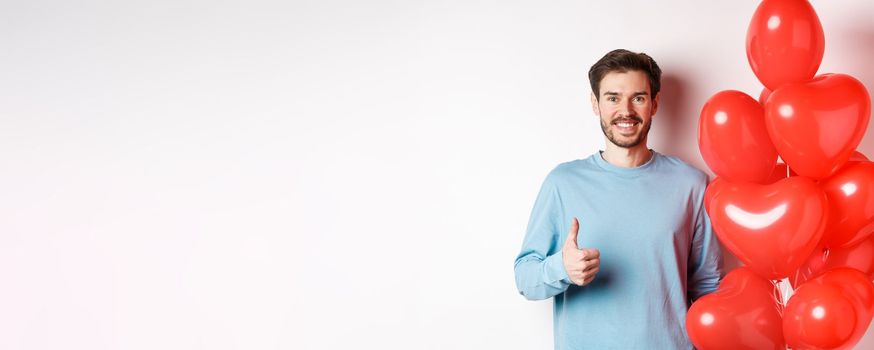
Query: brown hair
column 621, row 60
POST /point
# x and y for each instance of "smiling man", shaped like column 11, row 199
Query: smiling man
column 620, row 239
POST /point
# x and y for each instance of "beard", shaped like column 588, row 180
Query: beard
column 608, row 132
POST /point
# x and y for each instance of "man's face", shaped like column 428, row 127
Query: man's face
column 625, row 107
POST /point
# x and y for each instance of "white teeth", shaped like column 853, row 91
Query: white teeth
column 625, row 125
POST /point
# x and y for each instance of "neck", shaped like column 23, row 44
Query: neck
column 627, row 157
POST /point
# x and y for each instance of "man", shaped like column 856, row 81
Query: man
column 621, row 238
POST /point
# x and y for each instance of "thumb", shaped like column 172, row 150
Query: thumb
column 572, row 234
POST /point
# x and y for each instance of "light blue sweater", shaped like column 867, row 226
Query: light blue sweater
column 658, row 252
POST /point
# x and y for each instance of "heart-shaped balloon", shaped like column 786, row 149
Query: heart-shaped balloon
column 733, row 140
column 831, row 311
column 784, row 42
column 744, row 313
column 780, row 172
column 850, row 194
column 772, row 228
column 817, row 125
column 858, row 256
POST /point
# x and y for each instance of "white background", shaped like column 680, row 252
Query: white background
column 319, row 174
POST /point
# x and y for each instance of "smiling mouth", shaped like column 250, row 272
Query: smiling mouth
column 626, row 125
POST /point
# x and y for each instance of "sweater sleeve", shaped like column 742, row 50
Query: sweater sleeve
column 540, row 273
column 705, row 259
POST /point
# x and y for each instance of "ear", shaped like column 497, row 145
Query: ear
column 655, row 103
column 595, row 104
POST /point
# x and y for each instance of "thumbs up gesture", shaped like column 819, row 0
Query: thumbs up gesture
column 581, row 264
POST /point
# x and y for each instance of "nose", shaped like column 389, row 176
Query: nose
column 626, row 109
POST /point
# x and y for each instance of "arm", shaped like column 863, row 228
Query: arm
column 705, row 258
column 540, row 272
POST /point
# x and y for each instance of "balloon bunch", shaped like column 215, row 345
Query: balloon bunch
column 810, row 219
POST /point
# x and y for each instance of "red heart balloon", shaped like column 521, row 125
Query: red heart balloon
column 850, row 194
column 859, row 256
column 831, row 311
column 733, row 139
column 784, row 42
column 780, row 172
column 817, row 125
column 772, row 228
column 744, row 313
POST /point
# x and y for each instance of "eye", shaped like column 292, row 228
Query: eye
column 639, row 99
column 612, row 98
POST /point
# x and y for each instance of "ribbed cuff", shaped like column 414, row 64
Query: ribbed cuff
column 554, row 269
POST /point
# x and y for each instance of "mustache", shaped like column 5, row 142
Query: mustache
column 628, row 119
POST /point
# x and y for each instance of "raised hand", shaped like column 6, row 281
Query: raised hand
column 581, row 264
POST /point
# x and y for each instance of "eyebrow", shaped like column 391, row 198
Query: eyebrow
column 638, row 93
